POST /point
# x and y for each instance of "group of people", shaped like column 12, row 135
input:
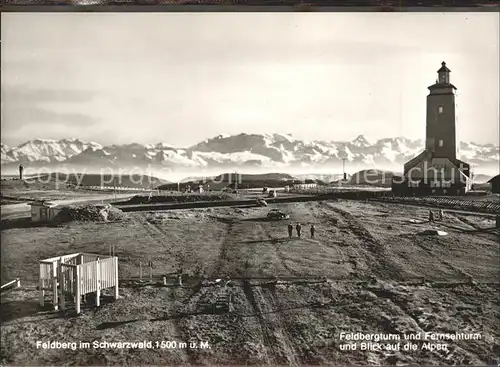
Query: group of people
column 298, row 228
column 432, row 218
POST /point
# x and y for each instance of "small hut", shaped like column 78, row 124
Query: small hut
column 199, row 189
column 495, row 184
column 43, row 211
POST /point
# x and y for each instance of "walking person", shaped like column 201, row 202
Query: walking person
column 312, row 230
column 431, row 216
column 440, row 214
column 298, row 228
column 290, row 230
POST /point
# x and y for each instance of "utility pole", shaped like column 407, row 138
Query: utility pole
column 343, row 168
column 151, row 183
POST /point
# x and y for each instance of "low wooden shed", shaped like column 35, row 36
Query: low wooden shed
column 495, row 184
column 43, row 211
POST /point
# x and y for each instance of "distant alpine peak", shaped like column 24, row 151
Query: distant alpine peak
column 162, row 145
column 60, row 141
column 286, row 136
column 361, row 140
column 42, row 140
column 76, row 140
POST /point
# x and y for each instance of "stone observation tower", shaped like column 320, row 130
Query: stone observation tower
column 437, row 170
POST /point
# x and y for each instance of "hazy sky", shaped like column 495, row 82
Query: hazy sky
column 180, row 78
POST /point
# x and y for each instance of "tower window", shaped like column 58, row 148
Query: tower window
column 440, row 143
column 440, row 109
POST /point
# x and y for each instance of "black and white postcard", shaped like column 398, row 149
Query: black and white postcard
column 250, row 188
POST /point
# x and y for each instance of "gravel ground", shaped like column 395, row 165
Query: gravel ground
column 385, row 277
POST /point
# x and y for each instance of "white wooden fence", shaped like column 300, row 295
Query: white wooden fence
column 76, row 275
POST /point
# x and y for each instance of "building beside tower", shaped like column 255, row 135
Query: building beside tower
column 437, row 170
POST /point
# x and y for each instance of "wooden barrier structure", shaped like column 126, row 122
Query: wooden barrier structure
column 385, row 195
column 77, row 275
column 16, row 283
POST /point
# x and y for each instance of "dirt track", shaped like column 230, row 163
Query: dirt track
column 294, row 322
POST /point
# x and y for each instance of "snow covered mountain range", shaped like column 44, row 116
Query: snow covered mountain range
column 243, row 152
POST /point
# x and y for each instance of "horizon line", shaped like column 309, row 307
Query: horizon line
column 369, row 140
